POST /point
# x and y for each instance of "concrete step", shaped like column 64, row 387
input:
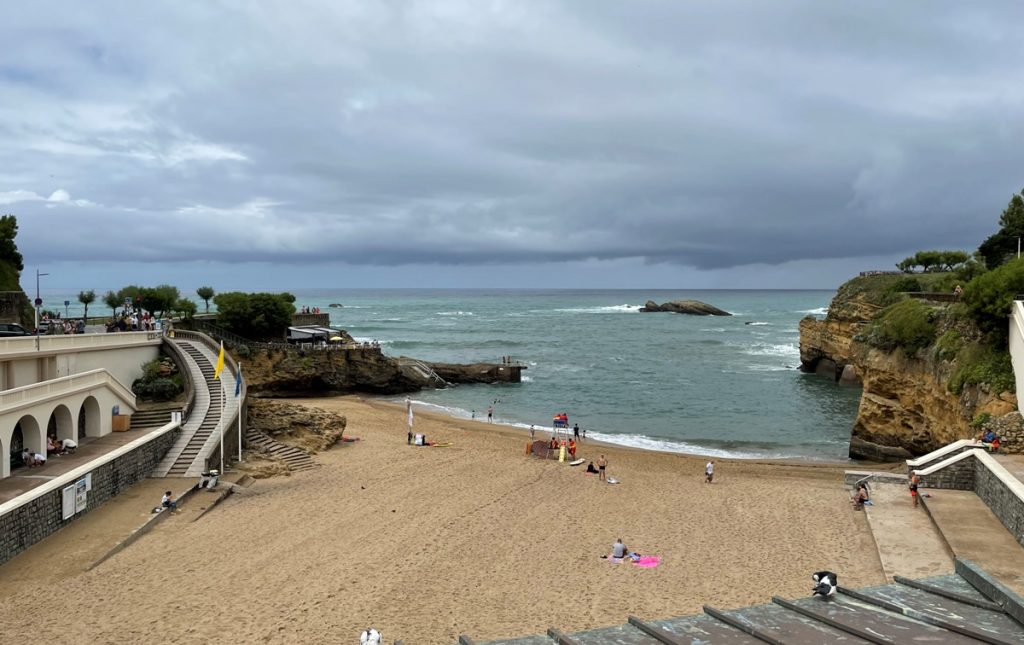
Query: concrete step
column 974, row 533
column 908, row 543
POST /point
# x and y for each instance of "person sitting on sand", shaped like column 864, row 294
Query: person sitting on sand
column 861, row 498
column 572, row 448
column 619, row 549
column 168, row 501
column 553, row 444
column 591, row 469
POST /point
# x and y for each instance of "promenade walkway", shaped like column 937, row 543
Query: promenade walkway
column 24, row 479
column 908, row 543
column 975, row 533
column 76, row 547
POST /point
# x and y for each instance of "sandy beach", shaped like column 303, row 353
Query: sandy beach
column 429, row 543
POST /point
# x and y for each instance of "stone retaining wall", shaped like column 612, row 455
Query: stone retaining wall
column 958, row 476
column 943, row 457
column 29, row 523
column 1007, row 506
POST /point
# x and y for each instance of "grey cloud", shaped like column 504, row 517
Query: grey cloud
column 718, row 136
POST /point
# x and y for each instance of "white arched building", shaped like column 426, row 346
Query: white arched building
column 67, row 386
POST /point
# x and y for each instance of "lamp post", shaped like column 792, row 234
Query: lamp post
column 66, row 303
column 38, row 303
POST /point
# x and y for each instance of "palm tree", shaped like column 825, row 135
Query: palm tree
column 111, row 300
column 86, row 298
column 205, row 293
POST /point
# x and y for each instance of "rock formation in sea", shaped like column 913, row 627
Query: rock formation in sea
column 906, row 408
column 691, row 307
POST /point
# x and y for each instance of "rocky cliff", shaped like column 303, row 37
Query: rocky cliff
column 319, row 372
column 905, row 409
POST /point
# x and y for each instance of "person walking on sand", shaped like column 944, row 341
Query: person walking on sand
column 709, row 472
column 533, row 432
column 576, row 432
column 490, row 414
column 914, row 482
column 602, row 464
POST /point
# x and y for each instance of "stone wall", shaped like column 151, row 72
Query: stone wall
column 1007, row 506
column 958, row 476
column 1010, row 429
column 952, row 453
column 29, row 523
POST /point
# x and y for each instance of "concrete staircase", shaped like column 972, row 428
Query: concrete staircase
column 147, row 419
column 292, row 456
column 185, row 458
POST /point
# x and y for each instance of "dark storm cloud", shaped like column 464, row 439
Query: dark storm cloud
column 709, row 135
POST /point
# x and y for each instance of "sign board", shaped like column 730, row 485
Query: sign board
column 67, row 502
column 116, row 410
column 81, row 495
column 88, row 482
column 176, row 416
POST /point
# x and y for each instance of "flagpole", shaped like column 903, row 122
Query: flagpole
column 223, row 397
column 240, row 402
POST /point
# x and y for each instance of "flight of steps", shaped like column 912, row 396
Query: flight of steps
column 146, row 419
column 295, row 458
column 209, row 423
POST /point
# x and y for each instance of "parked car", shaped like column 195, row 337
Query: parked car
column 12, row 329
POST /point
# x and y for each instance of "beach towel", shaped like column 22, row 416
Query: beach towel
column 648, row 561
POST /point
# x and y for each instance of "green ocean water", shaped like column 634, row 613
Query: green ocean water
column 725, row 386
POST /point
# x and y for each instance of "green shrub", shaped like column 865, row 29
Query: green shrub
column 161, row 389
column 906, row 324
column 948, row 345
column 989, row 297
column 983, row 365
column 980, row 420
column 904, row 285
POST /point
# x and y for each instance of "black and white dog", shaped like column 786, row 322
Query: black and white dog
column 825, row 584
column 370, row 637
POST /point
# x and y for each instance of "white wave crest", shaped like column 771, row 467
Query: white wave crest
column 526, row 379
column 682, row 447
column 612, row 309
column 770, row 349
column 455, row 313
column 820, row 311
column 757, row 324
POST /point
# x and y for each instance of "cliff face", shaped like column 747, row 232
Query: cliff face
column 905, row 408
column 315, row 373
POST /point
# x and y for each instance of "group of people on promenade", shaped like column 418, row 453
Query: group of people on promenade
column 309, row 310
column 54, row 448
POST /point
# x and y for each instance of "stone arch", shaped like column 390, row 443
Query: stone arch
column 61, row 424
column 90, row 415
column 32, row 436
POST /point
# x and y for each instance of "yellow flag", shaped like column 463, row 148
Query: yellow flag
column 219, row 367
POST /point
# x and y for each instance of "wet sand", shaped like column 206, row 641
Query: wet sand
column 429, row 543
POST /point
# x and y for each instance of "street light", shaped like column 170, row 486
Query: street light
column 39, row 303
column 66, row 303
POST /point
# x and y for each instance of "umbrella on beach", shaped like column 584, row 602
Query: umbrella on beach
column 336, row 338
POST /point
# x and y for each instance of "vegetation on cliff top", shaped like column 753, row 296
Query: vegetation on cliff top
column 970, row 333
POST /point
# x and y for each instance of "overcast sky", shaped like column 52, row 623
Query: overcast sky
column 271, row 145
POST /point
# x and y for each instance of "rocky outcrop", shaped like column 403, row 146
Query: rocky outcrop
column 311, row 429
column 905, row 409
column 691, row 307
column 319, row 372
column 316, row 372
column 477, row 372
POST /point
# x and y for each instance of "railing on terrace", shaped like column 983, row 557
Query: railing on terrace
column 78, row 342
column 63, row 385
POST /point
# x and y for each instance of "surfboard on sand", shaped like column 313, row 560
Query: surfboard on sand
column 612, row 480
column 577, row 462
